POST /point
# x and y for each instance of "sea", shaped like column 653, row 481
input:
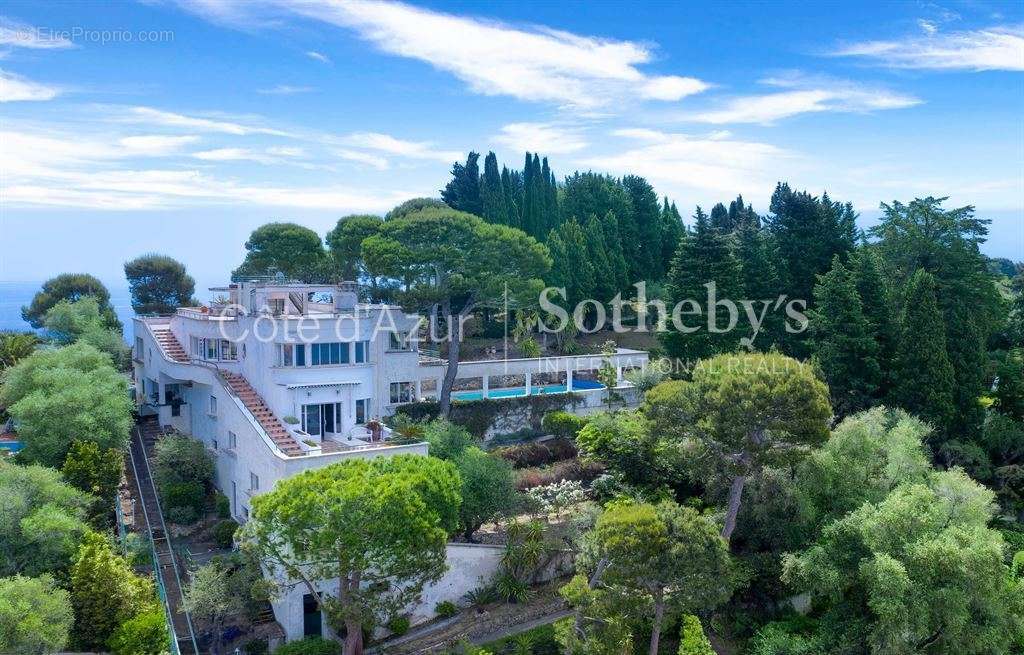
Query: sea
column 15, row 295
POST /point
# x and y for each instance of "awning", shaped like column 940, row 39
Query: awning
column 310, row 385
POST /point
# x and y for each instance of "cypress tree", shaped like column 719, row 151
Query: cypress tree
column 878, row 306
column 703, row 256
column 644, row 249
column 512, row 182
column 672, row 230
column 597, row 251
column 492, row 193
column 549, row 197
column 613, row 246
column 966, row 349
column 463, row 191
column 841, row 340
column 571, row 266
column 720, row 219
column 756, row 253
column 923, row 380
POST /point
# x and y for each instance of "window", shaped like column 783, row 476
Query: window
column 289, row 354
column 311, row 419
column 362, row 354
column 254, row 482
column 323, row 354
column 213, row 406
column 228, row 350
column 211, row 348
column 195, row 346
column 399, row 341
column 138, row 348
column 401, row 392
column 232, row 440
column 213, row 443
column 362, row 410
column 276, row 306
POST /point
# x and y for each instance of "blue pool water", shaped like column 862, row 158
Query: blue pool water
column 578, row 385
column 13, row 446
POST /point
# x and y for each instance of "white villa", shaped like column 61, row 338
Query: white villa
column 277, row 378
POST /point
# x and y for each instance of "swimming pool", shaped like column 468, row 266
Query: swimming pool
column 512, row 392
column 13, row 446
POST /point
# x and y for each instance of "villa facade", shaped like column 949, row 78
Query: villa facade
column 278, row 378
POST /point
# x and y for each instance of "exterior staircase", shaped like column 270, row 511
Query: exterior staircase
column 169, row 343
column 240, row 387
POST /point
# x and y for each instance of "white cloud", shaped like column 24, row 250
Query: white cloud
column 686, row 166
column 540, row 137
column 234, row 154
column 59, row 169
column 532, row 63
column 286, row 151
column 319, row 56
column 994, row 48
column 672, row 87
column 16, row 34
column 155, row 145
column 927, row 26
column 376, row 161
column 15, row 88
column 151, row 116
column 803, row 95
column 410, row 149
column 285, row 90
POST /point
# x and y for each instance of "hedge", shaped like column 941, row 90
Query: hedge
column 478, row 416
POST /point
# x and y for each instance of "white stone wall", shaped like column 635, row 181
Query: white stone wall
column 469, row 566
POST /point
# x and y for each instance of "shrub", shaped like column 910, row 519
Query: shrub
column 290, row 420
column 447, row 440
column 399, row 625
column 563, row 424
column 309, row 646
column 182, row 515
column 223, row 506
column 256, row 647
column 145, row 634
column 190, row 495
column 446, row 608
column 224, row 533
column 692, row 640
column 182, row 459
column 481, row 596
column 570, row 469
column 537, row 453
column 530, row 347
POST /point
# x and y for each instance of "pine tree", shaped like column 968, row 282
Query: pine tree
column 492, row 193
column 463, row 191
column 878, row 305
column 923, row 380
column 841, row 340
column 672, row 230
column 703, row 256
column 741, row 215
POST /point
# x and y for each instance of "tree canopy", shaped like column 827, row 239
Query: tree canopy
column 289, row 249
column 745, row 411
column 450, row 262
column 159, row 284
column 365, row 523
column 66, row 394
column 35, row 616
column 70, row 287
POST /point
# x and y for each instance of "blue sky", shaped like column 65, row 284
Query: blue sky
column 180, row 126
